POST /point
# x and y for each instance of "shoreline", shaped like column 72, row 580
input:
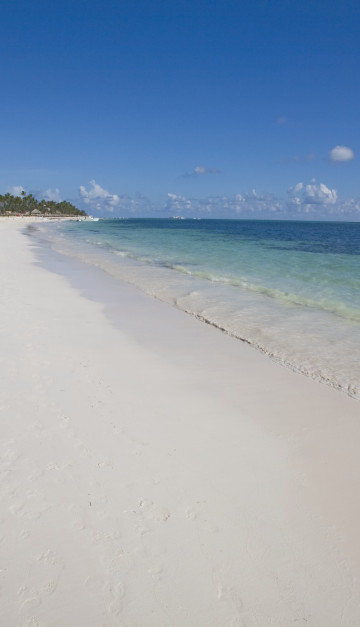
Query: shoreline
column 42, row 218
column 159, row 472
column 316, row 342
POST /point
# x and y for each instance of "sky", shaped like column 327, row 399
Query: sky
column 216, row 108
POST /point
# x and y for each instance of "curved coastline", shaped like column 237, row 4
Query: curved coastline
column 319, row 339
column 150, row 461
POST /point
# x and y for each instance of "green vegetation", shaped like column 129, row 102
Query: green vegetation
column 26, row 205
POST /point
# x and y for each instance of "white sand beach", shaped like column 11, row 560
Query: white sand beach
column 156, row 472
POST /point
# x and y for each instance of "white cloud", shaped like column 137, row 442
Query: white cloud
column 350, row 209
column 313, row 200
column 39, row 194
column 341, row 153
column 49, row 194
column 200, row 170
column 246, row 205
column 177, row 204
column 99, row 198
column 319, row 194
column 298, row 159
column 16, row 190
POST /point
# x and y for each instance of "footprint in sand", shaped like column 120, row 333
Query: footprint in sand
column 113, row 595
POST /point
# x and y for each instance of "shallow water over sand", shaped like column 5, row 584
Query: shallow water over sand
column 291, row 289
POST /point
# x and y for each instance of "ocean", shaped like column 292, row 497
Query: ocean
column 290, row 289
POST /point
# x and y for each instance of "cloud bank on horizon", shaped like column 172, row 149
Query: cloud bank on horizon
column 303, row 201
column 314, row 201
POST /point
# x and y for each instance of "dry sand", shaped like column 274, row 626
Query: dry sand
column 156, row 472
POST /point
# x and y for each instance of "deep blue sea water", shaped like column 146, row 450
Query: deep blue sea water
column 292, row 289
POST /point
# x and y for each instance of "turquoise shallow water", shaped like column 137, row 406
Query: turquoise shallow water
column 292, row 289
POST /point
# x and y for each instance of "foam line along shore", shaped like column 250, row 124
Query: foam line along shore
column 291, row 289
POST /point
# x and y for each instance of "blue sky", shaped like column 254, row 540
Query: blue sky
column 164, row 107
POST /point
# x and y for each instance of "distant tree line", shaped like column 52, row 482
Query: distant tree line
column 26, row 205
